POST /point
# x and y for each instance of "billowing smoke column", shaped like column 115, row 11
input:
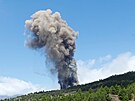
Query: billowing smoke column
column 50, row 32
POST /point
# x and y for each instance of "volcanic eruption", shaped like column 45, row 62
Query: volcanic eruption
column 48, row 31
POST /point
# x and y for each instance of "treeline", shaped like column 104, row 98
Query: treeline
column 122, row 80
column 102, row 94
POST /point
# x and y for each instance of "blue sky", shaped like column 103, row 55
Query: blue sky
column 106, row 28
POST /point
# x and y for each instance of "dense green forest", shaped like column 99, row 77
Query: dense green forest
column 120, row 87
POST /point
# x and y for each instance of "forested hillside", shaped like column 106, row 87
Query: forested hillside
column 120, row 86
column 122, row 80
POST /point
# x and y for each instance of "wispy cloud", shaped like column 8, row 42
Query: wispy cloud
column 12, row 86
column 103, row 67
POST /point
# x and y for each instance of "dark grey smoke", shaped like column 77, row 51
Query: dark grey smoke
column 49, row 31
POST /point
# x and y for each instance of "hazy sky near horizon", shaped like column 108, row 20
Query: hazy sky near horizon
column 106, row 40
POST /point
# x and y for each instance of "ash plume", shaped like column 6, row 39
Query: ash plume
column 48, row 31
